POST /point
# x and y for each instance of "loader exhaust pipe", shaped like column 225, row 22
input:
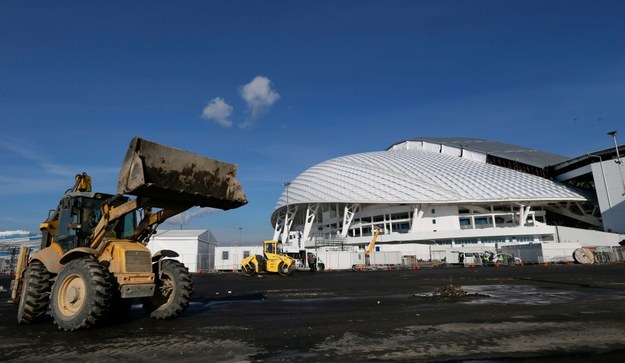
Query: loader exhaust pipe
column 169, row 176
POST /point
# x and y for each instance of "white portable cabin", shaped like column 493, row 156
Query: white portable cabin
column 543, row 252
column 195, row 247
column 228, row 258
column 346, row 260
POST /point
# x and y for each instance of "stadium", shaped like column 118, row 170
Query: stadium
column 432, row 198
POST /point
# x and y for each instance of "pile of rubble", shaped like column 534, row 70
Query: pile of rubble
column 451, row 292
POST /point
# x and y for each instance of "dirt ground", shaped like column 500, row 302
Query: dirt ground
column 531, row 313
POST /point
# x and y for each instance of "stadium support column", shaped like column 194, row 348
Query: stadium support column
column 348, row 217
column 311, row 213
column 277, row 229
column 288, row 221
column 523, row 213
column 417, row 214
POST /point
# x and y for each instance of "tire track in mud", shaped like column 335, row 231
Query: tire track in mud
column 205, row 345
column 475, row 341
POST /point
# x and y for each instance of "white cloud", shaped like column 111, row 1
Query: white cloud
column 27, row 152
column 219, row 111
column 259, row 97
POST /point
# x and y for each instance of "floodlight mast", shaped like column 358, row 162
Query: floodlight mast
column 618, row 159
column 618, row 156
column 285, row 231
column 605, row 183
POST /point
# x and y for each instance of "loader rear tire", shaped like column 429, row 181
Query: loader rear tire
column 81, row 294
column 35, row 293
column 173, row 291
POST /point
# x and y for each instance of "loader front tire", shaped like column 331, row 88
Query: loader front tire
column 81, row 294
column 35, row 293
column 173, row 291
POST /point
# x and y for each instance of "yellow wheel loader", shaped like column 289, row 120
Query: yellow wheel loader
column 272, row 260
column 93, row 259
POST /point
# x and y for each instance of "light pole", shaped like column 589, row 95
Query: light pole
column 286, row 184
column 618, row 159
column 285, row 234
column 240, row 235
column 605, row 183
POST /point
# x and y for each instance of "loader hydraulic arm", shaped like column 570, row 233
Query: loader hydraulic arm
column 144, row 228
column 108, row 221
column 111, row 214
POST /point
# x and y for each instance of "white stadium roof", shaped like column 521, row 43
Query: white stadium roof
column 419, row 176
column 518, row 153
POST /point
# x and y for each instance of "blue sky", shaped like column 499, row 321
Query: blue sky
column 291, row 84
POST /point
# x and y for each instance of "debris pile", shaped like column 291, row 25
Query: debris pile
column 451, row 292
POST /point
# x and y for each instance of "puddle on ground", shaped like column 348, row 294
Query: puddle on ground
column 535, row 295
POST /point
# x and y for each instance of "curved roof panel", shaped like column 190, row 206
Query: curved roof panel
column 417, row 176
column 521, row 154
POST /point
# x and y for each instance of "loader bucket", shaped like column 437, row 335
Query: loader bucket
column 172, row 176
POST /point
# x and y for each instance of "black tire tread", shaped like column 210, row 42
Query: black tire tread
column 98, row 301
column 36, row 293
column 183, row 289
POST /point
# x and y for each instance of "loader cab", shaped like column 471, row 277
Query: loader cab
column 77, row 216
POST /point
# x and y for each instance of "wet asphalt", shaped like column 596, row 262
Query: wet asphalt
column 530, row 313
